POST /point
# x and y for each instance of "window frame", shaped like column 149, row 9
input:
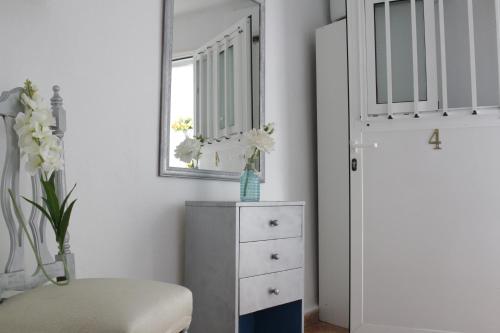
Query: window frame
column 238, row 37
column 431, row 104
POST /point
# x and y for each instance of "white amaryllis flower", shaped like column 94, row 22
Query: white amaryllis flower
column 42, row 149
column 259, row 139
column 52, row 161
column 28, row 145
column 188, row 150
column 33, row 164
column 255, row 142
column 42, row 117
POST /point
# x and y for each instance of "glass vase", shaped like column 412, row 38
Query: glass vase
column 249, row 186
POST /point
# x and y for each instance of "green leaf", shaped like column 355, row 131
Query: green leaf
column 51, row 200
column 40, row 208
column 61, row 234
column 44, row 212
column 63, row 205
column 53, row 214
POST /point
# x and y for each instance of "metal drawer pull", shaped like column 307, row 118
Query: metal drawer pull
column 274, row 223
column 274, row 291
column 275, row 256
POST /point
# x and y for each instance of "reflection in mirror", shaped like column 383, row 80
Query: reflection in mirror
column 215, row 87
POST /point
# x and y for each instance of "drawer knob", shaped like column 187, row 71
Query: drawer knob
column 274, row 291
column 274, row 223
column 275, row 256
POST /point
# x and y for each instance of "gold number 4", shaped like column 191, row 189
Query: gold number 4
column 434, row 140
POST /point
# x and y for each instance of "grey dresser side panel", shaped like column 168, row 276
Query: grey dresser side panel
column 211, row 267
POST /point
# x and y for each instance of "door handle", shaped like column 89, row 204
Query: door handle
column 356, row 146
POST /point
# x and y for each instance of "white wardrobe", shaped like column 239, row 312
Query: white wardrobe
column 409, row 153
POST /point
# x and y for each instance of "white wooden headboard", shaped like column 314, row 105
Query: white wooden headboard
column 14, row 276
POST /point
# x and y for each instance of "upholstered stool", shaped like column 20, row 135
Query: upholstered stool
column 99, row 306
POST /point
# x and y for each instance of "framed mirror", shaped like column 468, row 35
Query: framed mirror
column 212, row 86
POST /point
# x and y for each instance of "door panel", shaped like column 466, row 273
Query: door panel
column 431, row 231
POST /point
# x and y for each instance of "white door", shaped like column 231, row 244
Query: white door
column 425, row 222
column 426, row 248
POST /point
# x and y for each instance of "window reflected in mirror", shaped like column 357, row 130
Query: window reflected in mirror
column 215, row 83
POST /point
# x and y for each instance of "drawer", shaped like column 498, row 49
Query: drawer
column 265, row 291
column 270, row 256
column 262, row 223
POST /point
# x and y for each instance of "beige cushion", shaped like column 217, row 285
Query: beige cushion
column 99, row 306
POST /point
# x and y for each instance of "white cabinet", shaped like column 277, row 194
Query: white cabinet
column 245, row 266
column 333, row 173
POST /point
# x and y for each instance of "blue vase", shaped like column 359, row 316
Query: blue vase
column 249, row 186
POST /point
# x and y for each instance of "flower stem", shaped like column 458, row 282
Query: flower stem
column 250, row 166
column 246, row 183
column 20, row 218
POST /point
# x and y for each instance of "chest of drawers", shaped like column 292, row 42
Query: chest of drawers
column 244, row 263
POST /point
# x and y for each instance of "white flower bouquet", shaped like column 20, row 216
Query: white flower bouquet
column 183, row 124
column 257, row 141
column 44, row 157
column 36, row 139
column 189, row 151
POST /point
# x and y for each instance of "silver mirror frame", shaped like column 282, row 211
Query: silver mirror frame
column 168, row 34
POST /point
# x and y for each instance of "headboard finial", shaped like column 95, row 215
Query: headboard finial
column 56, row 89
column 58, row 111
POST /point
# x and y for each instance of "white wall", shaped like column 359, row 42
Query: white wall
column 291, row 103
column 106, row 56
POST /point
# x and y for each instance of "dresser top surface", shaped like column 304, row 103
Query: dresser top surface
column 243, row 204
